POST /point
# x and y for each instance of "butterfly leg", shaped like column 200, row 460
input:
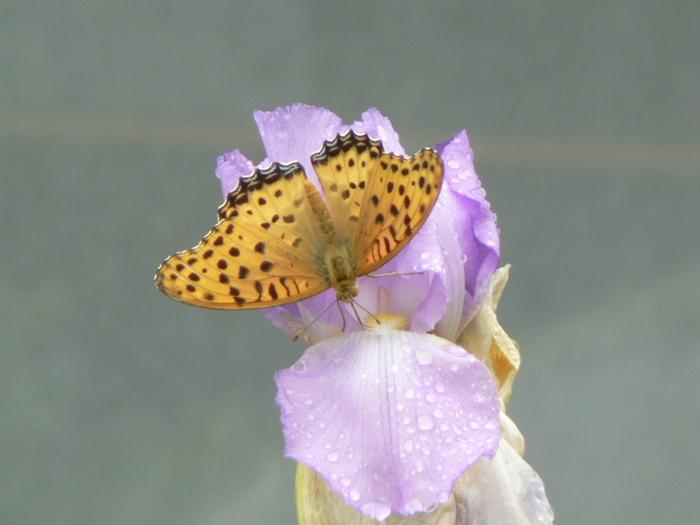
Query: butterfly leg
column 342, row 313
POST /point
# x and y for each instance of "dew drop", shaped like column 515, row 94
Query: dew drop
column 408, row 446
column 425, row 423
column 333, row 456
column 354, row 495
column 453, row 164
column 345, row 482
column 410, row 394
column 439, row 387
column 474, row 425
column 423, row 357
column 430, row 397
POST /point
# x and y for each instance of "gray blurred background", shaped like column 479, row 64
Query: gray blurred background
column 118, row 406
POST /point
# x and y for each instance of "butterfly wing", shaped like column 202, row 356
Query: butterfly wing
column 263, row 252
column 377, row 200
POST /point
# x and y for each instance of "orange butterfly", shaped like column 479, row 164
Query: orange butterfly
column 278, row 241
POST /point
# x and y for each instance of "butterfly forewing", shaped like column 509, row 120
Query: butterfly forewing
column 263, row 252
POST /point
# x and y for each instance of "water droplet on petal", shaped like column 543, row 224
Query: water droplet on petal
column 423, row 357
column 439, row 387
column 410, row 394
column 425, row 423
column 419, row 466
column 453, row 164
column 333, row 456
column 345, row 482
column 354, row 495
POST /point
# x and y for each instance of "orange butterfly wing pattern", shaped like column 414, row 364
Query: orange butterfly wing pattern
column 278, row 241
column 377, row 200
column 260, row 254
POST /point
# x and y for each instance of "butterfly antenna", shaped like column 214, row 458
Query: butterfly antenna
column 316, row 319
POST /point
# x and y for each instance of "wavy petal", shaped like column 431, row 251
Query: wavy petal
column 230, row 167
column 389, row 418
column 379, row 127
column 478, row 233
column 294, row 132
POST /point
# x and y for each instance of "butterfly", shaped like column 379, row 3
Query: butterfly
column 278, row 240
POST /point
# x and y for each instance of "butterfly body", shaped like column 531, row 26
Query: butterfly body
column 336, row 256
column 278, row 240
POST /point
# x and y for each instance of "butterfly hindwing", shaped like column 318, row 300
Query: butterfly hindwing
column 261, row 253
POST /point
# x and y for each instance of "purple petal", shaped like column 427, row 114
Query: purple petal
column 437, row 249
column 478, row 234
column 295, row 132
column 377, row 126
column 390, row 419
column 230, row 167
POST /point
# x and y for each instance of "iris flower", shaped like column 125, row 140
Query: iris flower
column 400, row 416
